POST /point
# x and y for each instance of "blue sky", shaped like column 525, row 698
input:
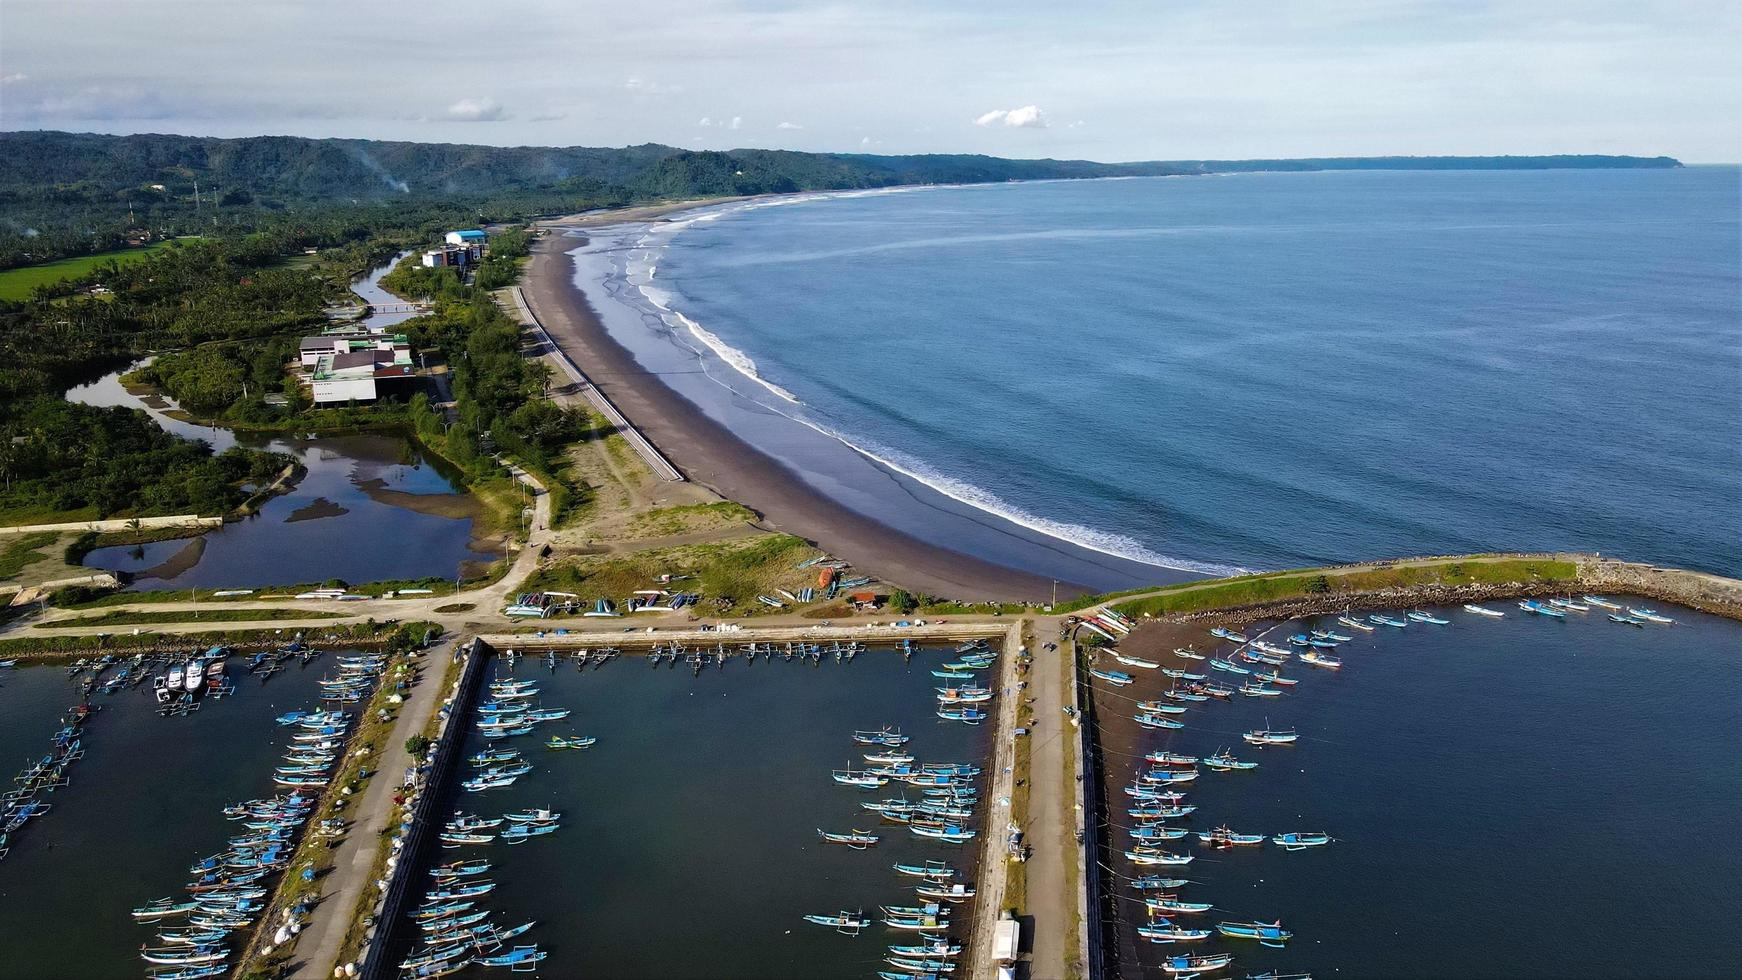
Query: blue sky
column 1160, row 79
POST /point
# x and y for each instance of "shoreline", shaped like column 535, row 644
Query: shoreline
column 711, row 455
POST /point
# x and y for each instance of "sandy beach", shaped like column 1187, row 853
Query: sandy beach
column 710, row 455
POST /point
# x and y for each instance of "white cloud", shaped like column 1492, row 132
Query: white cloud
column 481, row 109
column 736, row 122
column 12, row 78
column 704, row 121
column 1027, row 117
column 647, row 86
column 788, row 125
column 868, row 141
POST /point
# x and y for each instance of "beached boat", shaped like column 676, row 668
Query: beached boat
column 1226, row 634
column 1300, row 841
column 1114, row 677
column 1138, row 662
column 1188, row 653
column 1482, row 610
column 1267, row 933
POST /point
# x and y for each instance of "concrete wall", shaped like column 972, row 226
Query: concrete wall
column 344, row 390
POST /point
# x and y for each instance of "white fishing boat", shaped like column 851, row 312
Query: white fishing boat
column 1482, row 610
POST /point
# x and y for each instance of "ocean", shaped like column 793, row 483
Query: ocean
column 1114, row 381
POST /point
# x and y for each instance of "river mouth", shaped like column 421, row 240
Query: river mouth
column 365, row 507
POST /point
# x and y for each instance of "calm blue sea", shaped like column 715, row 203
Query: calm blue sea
column 1256, row 371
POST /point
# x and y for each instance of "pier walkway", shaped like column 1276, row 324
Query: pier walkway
column 323, row 936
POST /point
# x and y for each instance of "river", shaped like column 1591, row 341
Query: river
column 369, row 507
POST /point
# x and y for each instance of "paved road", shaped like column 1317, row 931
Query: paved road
column 1051, row 816
column 317, row 948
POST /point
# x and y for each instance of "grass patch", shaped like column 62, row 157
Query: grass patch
column 21, row 550
column 1250, row 590
column 376, row 590
column 737, row 571
column 693, row 517
column 227, row 615
column 18, row 284
column 346, row 634
column 457, row 607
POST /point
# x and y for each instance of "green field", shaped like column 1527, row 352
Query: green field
column 18, row 284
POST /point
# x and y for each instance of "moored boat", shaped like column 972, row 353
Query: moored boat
column 1482, row 610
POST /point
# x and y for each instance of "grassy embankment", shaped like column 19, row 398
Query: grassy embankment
column 18, row 552
column 48, row 647
column 226, row 615
column 1252, row 590
column 18, row 284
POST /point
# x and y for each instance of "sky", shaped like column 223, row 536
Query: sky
column 1113, row 80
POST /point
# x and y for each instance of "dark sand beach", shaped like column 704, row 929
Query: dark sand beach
column 709, row 454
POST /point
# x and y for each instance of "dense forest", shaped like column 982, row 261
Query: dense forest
column 65, row 194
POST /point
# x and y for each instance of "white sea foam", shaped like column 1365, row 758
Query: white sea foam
column 961, row 491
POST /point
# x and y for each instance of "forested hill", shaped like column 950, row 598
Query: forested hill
column 66, row 193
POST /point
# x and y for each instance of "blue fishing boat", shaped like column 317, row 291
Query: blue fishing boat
column 1601, row 603
column 953, row 675
column 1166, row 905
column 1300, row 841
column 1148, row 720
column 1184, row 966
column 1532, row 606
column 1218, row 663
column 1164, row 931
column 930, row 869
column 570, row 741
column 1115, row 677
column 844, row 922
column 1267, row 933
column 1627, row 620
column 1649, row 615
column 971, row 716
column 1227, row 634
column 1152, row 883
column 1379, row 620
column 1422, row 617
column 519, row 959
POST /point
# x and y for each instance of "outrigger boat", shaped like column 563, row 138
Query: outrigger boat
column 1532, row 606
column 1171, row 759
column 1300, row 841
column 1164, row 931
column 1217, row 663
column 1266, row 736
column 859, row 778
column 1627, row 620
column 956, row 893
column 937, row 870
column 942, row 949
column 1422, row 617
column 948, row 833
column 1277, row 679
column 1482, row 610
column 1355, row 624
column 1185, row 966
column 1136, row 662
column 1223, row 837
column 1225, row 762
column 1182, row 675
column 520, row 959
column 1164, row 904
column 1252, row 690
column 1152, row 883
column 1270, row 934
column 1156, row 721
column 1649, row 615
column 858, row 840
column 1114, row 677
column 1318, row 659
column 1600, row 602
column 1226, row 634
column 971, row 716
column 1569, row 605
column 570, row 741
column 1188, row 653
column 887, row 736
column 845, row 923
column 1379, row 620
column 1145, row 857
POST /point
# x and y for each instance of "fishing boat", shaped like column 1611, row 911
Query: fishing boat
column 972, row 716
column 1171, row 759
column 163, row 908
column 953, row 675
column 1164, row 931
column 1191, row 965
column 1318, row 659
column 930, row 869
column 1223, row 837
column 1217, row 663
column 547, row 714
column 1274, row 678
column 887, row 736
column 1532, row 606
column 1600, row 602
column 1157, row 812
column 956, row 893
column 948, row 833
column 1154, row 833
column 1226, row 634
column 537, row 815
column 1188, row 653
column 1166, row 776
column 1300, row 841
column 941, row 949
column 843, row 922
column 1649, row 615
column 1430, row 619
column 1482, row 610
column 1154, row 883
column 1333, row 637
column 859, row 779
column 1265, row 736
column 1148, row 720
column 520, row 959
column 1114, row 677
column 1225, row 762
column 1569, row 605
column 1267, row 933
column 1145, row 857
column 1187, row 695
column 1379, row 620
column 1182, row 675
column 858, row 840
column 1259, row 690
column 1136, row 662
column 570, row 741
column 1627, row 620
column 920, row 969
column 1355, row 624
column 1170, row 904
